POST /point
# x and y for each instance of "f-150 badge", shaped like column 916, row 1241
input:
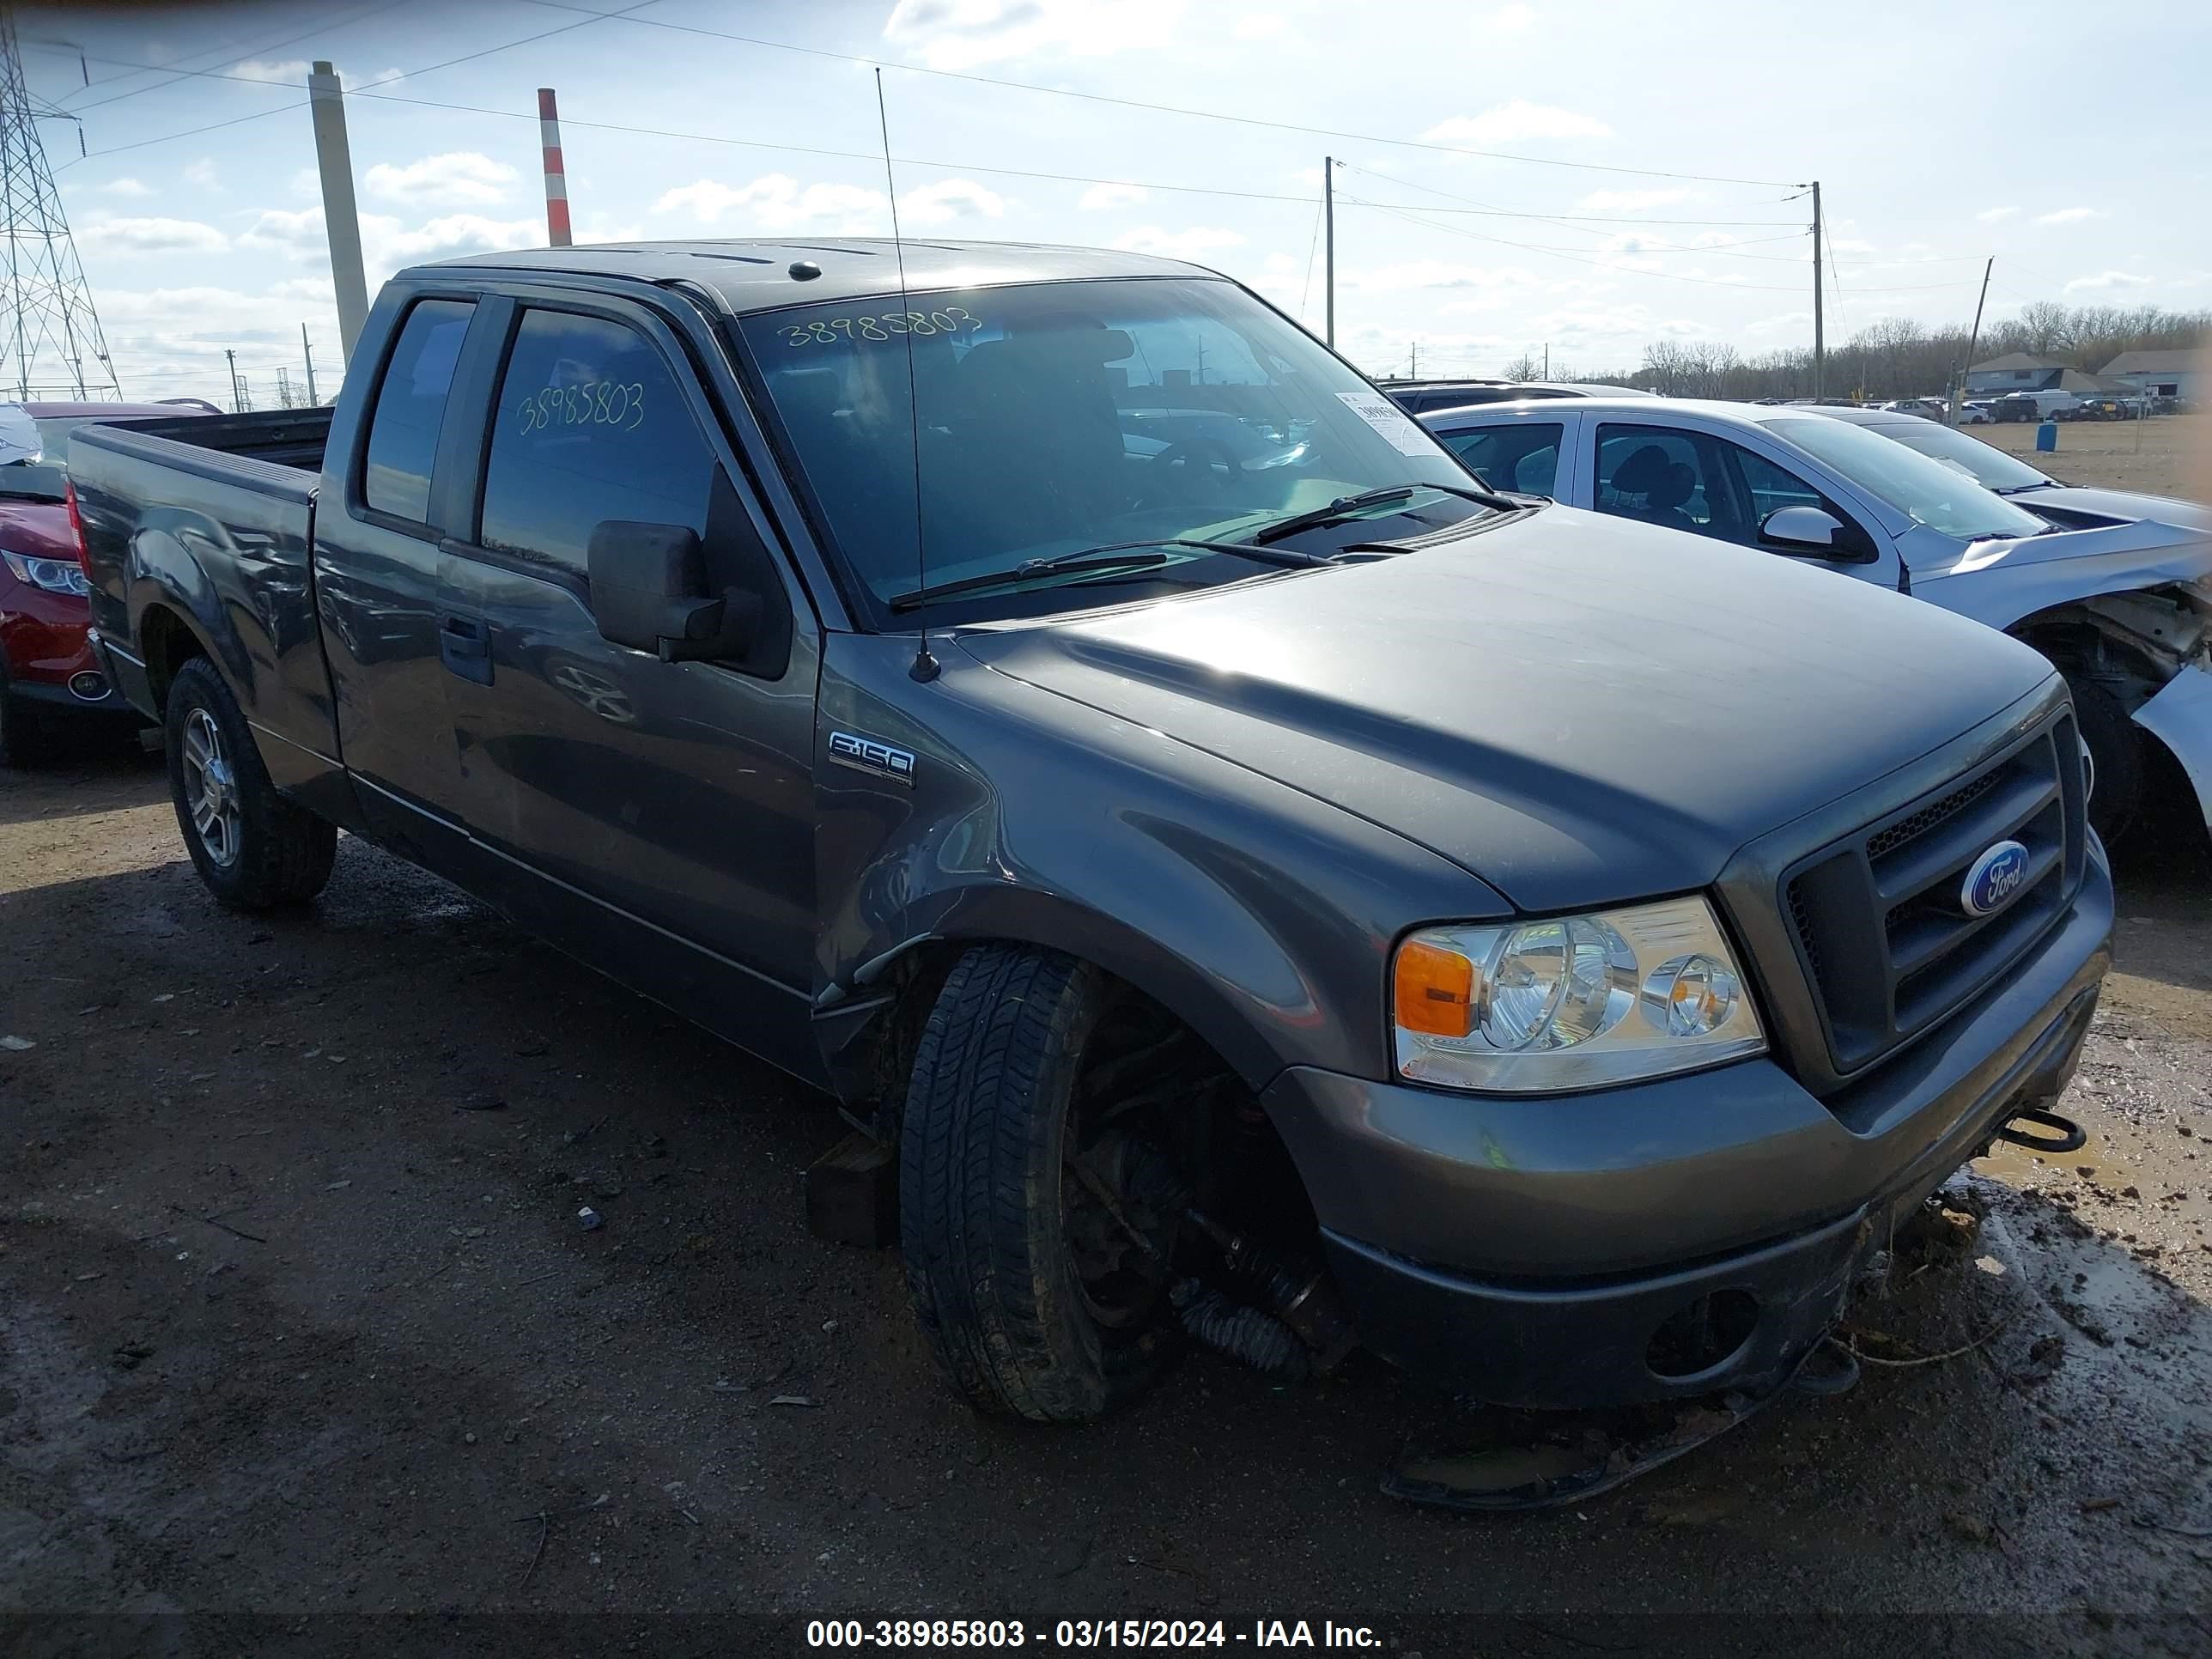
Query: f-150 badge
column 872, row 755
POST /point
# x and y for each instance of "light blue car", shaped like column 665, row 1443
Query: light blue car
column 2115, row 589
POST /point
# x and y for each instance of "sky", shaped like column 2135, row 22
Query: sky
column 1589, row 175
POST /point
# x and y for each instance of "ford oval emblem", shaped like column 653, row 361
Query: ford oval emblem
column 1993, row 878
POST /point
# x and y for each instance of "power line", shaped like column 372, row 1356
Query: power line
column 427, row 68
column 1157, row 109
column 176, row 75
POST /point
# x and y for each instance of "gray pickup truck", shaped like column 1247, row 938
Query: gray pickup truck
column 1046, row 700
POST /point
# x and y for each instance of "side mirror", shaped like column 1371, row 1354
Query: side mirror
column 649, row 592
column 1805, row 529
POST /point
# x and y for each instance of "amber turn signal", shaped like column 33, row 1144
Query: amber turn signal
column 1435, row 991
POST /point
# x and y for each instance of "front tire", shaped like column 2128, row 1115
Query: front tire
column 991, row 1215
column 253, row 848
column 2116, row 755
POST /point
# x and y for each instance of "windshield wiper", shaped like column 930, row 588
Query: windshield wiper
column 1346, row 508
column 1113, row 555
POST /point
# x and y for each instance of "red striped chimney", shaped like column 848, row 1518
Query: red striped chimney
column 556, row 180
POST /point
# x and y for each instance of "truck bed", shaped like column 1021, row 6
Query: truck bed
column 282, row 437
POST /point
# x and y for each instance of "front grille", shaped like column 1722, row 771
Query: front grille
column 1887, row 942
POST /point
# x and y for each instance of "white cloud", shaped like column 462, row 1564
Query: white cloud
column 1512, row 123
column 1431, row 274
column 2108, row 279
column 284, row 231
column 124, row 187
column 962, row 34
column 1515, row 19
column 1787, row 322
column 949, row 199
column 151, row 236
column 776, row 202
column 2073, row 215
column 291, row 71
column 202, row 173
column 1992, row 215
column 385, row 244
column 461, row 177
column 1261, row 25
column 1100, row 197
column 1628, row 201
column 1193, row 244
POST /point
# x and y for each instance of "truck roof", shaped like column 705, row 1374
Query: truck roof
column 750, row 274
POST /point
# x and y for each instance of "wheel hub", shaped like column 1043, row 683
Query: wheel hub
column 211, row 796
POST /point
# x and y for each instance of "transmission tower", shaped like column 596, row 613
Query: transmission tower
column 51, row 345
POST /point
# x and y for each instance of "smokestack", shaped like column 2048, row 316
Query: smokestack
column 556, row 180
column 326, row 108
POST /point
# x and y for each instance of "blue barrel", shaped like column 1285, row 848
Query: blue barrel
column 2046, row 436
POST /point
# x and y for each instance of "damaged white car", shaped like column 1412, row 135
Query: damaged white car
column 2118, row 599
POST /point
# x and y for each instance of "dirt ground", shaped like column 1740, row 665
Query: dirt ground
column 2167, row 455
column 303, row 1348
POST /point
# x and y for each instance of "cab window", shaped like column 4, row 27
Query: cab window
column 410, row 408
column 589, row 425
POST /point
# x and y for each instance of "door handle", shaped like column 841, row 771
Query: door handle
column 465, row 646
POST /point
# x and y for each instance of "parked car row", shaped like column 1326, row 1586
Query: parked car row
column 1258, row 875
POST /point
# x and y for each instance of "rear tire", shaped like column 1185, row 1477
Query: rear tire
column 252, row 847
column 984, row 1217
column 2116, row 753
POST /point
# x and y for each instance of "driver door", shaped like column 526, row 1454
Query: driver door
column 656, row 817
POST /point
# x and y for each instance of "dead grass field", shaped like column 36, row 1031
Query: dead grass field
column 2170, row 455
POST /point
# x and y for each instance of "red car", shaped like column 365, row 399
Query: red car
column 52, row 693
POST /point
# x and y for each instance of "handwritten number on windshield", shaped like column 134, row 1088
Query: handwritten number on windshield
column 883, row 325
column 615, row 404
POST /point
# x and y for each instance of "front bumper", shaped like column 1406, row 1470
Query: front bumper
column 1527, row 1251
column 51, row 661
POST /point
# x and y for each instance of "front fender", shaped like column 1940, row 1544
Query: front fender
column 1262, row 917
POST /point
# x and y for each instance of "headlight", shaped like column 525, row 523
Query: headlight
column 55, row 576
column 1572, row 1002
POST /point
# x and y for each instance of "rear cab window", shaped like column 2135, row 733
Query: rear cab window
column 411, row 408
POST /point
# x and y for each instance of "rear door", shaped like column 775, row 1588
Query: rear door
column 656, row 817
column 377, row 583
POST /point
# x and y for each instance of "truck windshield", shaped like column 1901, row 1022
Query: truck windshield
column 1942, row 497
column 1060, row 417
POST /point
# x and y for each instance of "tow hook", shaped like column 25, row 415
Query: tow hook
column 2066, row 1136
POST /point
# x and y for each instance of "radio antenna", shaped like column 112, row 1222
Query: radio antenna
column 924, row 666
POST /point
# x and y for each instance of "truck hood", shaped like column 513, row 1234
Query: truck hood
column 1999, row 582
column 1578, row 709
column 2119, row 504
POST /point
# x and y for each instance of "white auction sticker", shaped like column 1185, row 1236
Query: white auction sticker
column 1392, row 421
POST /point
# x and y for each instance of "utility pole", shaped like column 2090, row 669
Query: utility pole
column 1329, row 256
column 309, row 352
column 327, row 100
column 45, row 305
column 1415, row 372
column 237, row 394
column 1819, row 326
column 1973, row 342
column 1547, row 360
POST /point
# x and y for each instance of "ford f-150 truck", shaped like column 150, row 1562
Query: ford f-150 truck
column 1048, row 701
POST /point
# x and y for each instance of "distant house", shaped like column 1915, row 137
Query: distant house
column 2014, row 372
column 2163, row 374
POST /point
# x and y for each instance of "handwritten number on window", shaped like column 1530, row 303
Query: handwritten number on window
column 617, row 404
column 883, row 325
